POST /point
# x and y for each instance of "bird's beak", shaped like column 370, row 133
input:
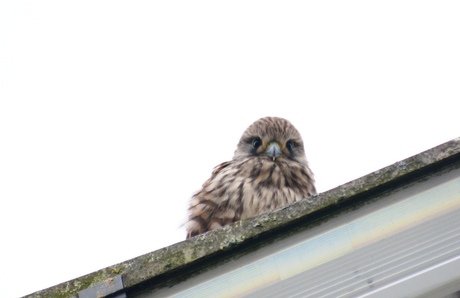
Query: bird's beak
column 273, row 150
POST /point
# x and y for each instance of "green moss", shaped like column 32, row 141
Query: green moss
column 71, row 288
column 218, row 242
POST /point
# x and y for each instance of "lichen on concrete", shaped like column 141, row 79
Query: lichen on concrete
column 218, row 243
column 70, row 288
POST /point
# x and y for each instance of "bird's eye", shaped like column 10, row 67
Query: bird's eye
column 256, row 142
column 290, row 145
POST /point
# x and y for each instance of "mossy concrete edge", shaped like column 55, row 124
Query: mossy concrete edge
column 185, row 254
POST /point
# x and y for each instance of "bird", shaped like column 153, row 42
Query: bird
column 269, row 170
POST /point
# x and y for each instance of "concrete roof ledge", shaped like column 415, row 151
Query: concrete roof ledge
column 166, row 265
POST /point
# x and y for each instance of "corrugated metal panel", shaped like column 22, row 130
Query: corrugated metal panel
column 405, row 245
column 378, row 267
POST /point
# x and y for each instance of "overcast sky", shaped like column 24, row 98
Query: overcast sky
column 112, row 114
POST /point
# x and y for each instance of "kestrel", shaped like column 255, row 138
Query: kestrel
column 268, row 171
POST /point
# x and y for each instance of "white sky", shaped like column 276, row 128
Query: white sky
column 112, row 114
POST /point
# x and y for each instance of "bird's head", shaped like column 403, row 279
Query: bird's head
column 271, row 138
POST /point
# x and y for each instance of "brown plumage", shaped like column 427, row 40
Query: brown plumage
column 269, row 170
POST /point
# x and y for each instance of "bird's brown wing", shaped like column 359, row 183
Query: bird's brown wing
column 242, row 189
column 206, row 203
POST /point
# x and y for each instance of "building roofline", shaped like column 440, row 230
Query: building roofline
column 169, row 265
